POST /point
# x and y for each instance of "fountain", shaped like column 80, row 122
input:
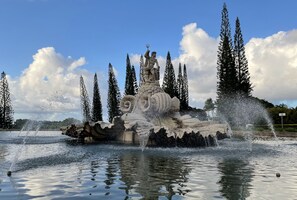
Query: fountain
column 29, row 126
column 151, row 118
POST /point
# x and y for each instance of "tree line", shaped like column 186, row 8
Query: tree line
column 174, row 87
column 46, row 125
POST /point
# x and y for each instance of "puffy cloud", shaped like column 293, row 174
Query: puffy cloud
column 199, row 53
column 273, row 66
column 50, row 85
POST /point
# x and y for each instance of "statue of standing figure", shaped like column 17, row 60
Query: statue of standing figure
column 151, row 68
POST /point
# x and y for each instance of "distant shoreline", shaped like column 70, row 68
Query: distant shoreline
column 265, row 133
column 5, row 130
column 268, row 133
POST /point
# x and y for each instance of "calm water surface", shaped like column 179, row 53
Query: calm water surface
column 50, row 166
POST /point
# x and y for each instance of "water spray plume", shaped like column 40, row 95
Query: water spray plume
column 244, row 114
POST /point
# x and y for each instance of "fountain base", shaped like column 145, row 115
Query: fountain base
column 117, row 132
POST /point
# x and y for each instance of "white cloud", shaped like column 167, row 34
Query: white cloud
column 49, row 86
column 199, row 53
column 273, row 66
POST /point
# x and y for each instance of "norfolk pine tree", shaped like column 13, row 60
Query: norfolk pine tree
column 226, row 72
column 169, row 82
column 241, row 64
column 185, row 90
column 5, row 103
column 113, row 98
column 97, row 105
column 134, row 80
column 85, row 102
column 129, row 82
column 179, row 82
column 141, row 70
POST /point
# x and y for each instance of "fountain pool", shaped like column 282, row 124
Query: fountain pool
column 50, row 166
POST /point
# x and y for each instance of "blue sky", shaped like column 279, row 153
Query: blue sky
column 100, row 32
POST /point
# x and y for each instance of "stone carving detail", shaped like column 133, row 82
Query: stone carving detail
column 150, row 97
column 127, row 103
column 151, row 68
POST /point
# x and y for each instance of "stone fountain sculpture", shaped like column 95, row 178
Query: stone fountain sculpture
column 152, row 117
column 153, row 112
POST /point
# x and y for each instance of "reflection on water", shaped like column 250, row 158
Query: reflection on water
column 52, row 168
column 153, row 176
column 236, row 178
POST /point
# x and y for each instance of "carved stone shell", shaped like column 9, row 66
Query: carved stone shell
column 161, row 102
column 127, row 104
column 144, row 103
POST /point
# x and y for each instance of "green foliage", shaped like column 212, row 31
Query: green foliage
column 131, row 82
column 141, row 70
column 6, row 110
column 134, row 80
column 169, row 82
column 209, row 104
column 182, row 87
column 227, row 79
column 290, row 118
column 185, row 91
column 233, row 84
column 85, row 101
column 225, row 27
column 19, row 123
column 47, row 125
column 263, row 102
column 113, row 97
column 244, row 87
column 97, row 106
column 180, row 82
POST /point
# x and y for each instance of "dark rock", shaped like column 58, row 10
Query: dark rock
column 221, row 136
column 160, row 139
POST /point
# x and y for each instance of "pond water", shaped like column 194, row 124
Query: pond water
column 51, row 166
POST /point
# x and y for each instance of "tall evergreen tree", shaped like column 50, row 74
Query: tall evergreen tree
column 226, row 72
column 225, row 26
column 185, row 91
column 141, row 70
column 133, row 74
column 85, row 101
column 129, row 82
column 113, row 98
column 241, row 64
column 209, row 104
column 97, row 105
column 169, row 82
column 179, row 82
column 6, row 110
